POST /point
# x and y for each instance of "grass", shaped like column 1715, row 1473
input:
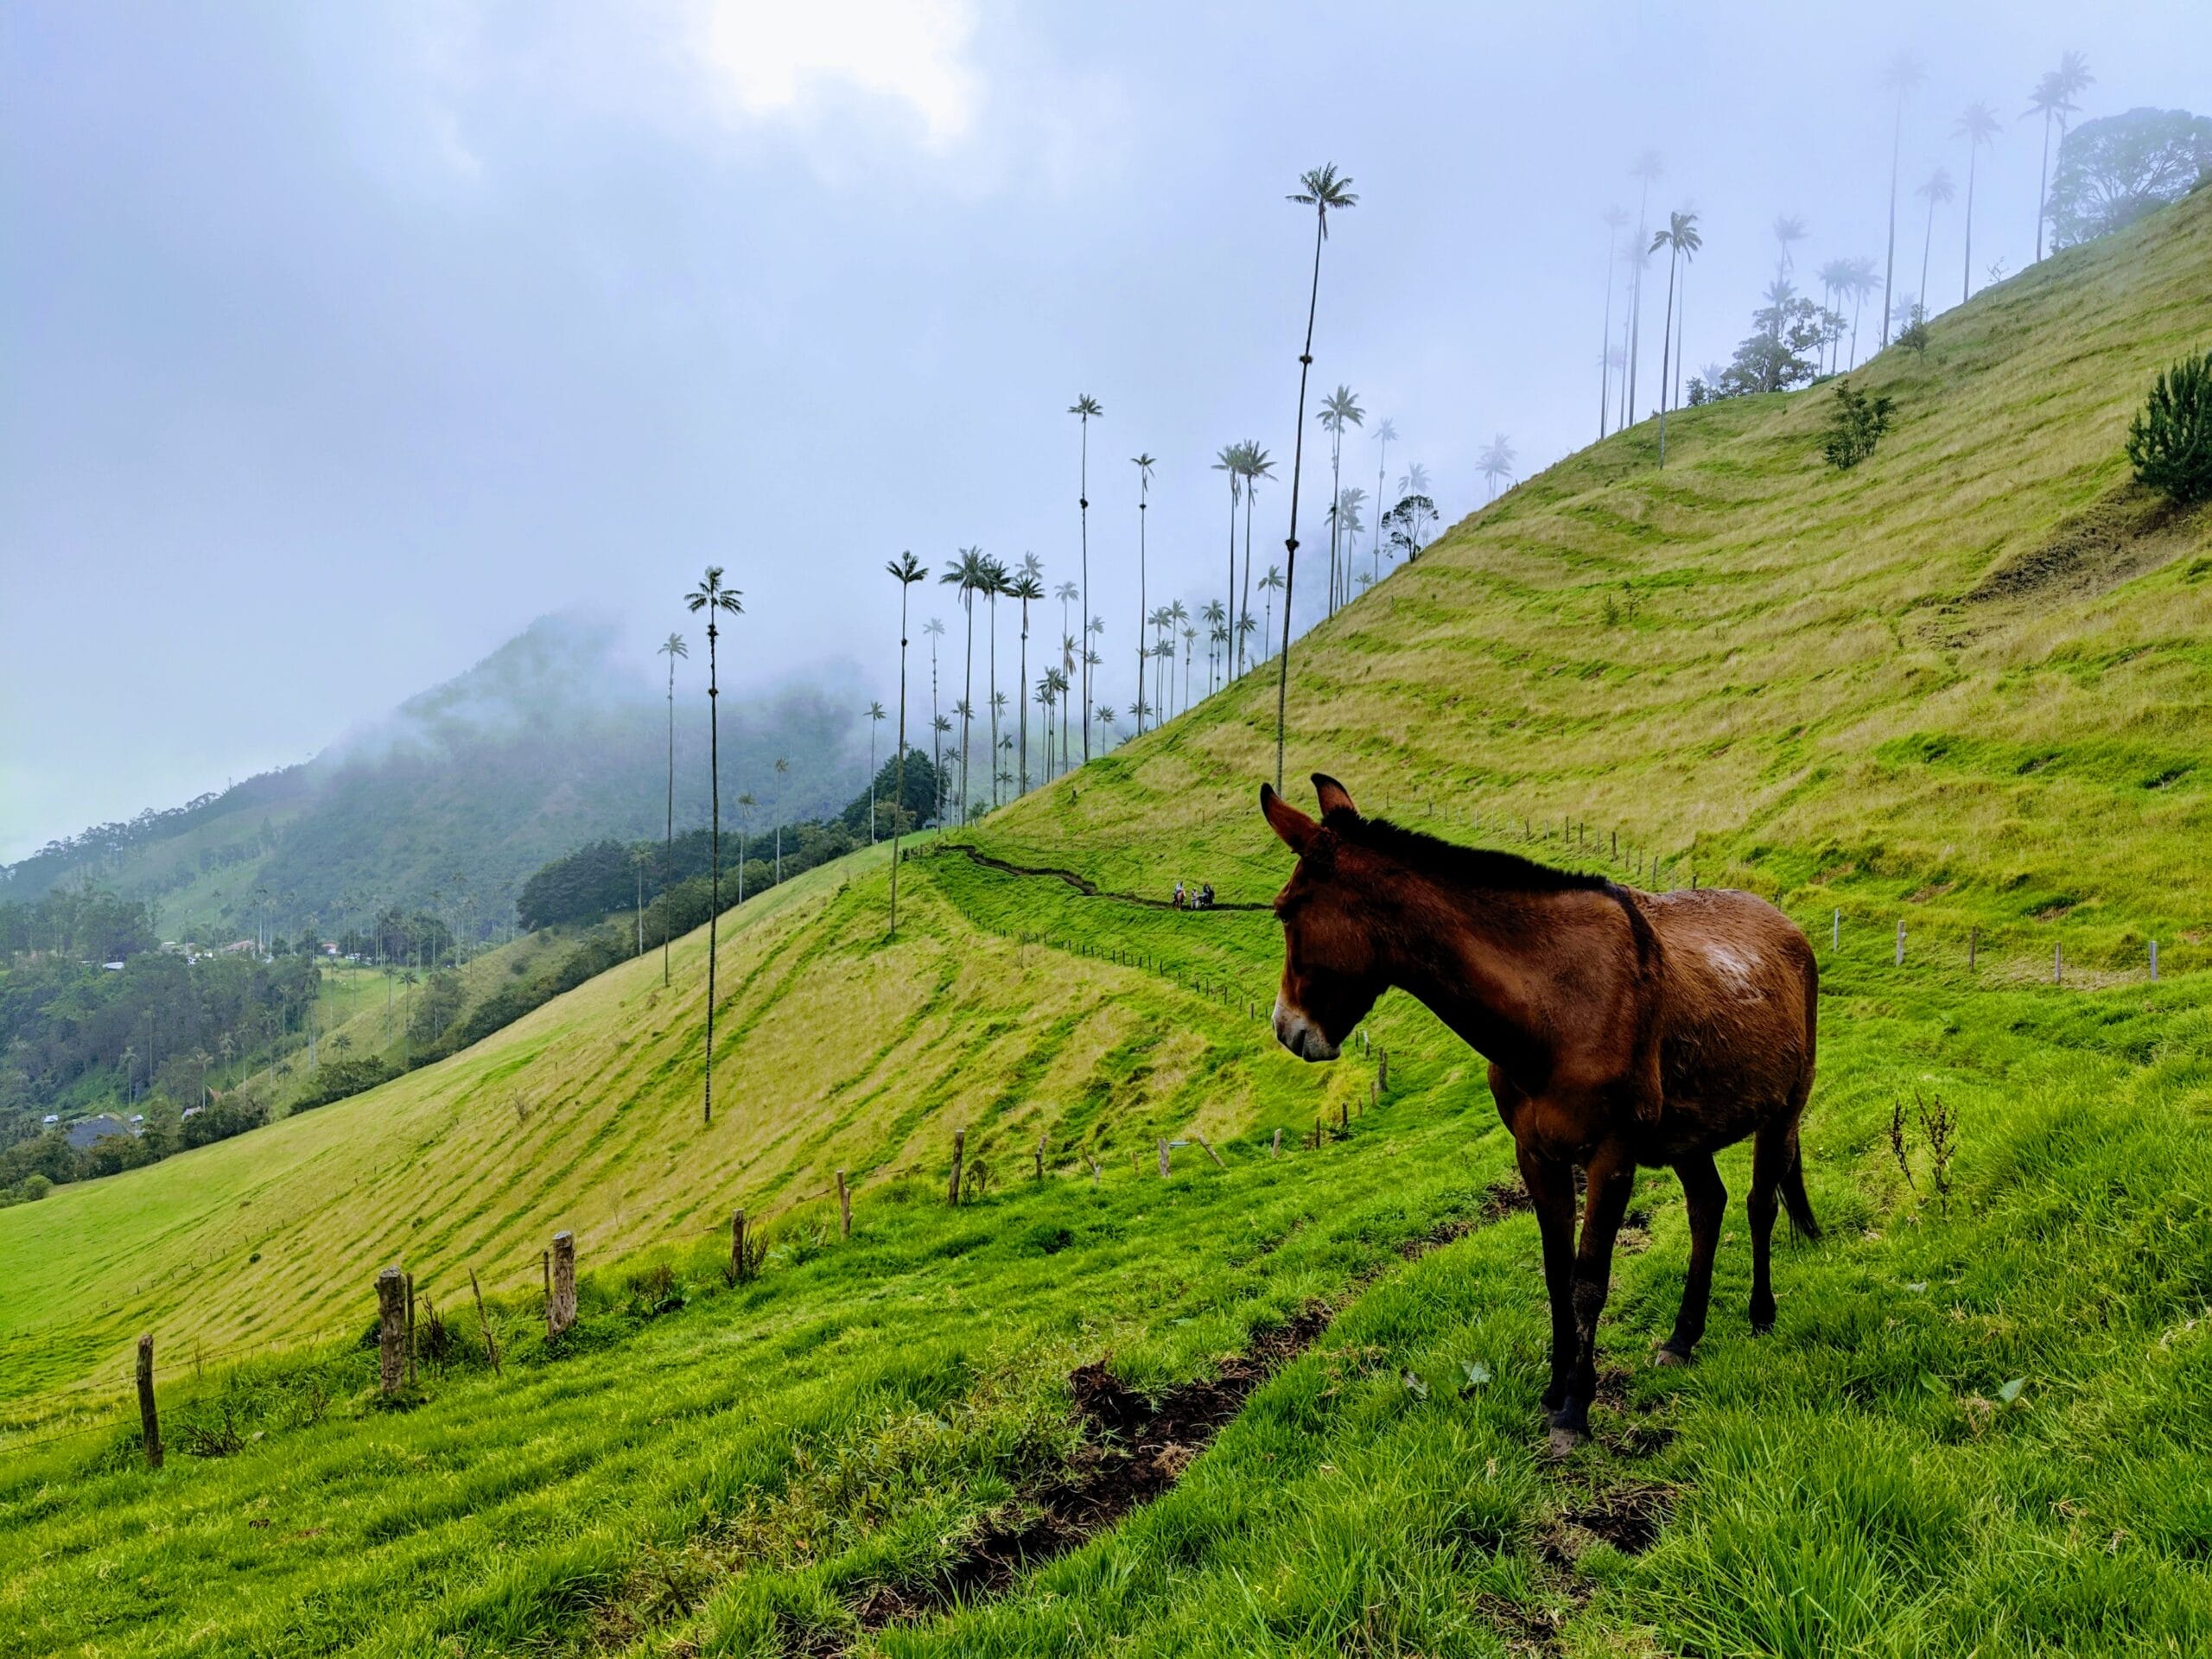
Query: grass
column 1979, row 1426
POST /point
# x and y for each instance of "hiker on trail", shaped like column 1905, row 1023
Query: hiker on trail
column 1179, row 896
column 1205, row 895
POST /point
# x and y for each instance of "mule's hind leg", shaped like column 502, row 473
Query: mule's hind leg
column 1774, row 1148
column 1706, row 1201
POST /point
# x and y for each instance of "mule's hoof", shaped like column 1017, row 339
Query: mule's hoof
column 1670, row 1354
column 1763, row 1327
column 1564, row 1441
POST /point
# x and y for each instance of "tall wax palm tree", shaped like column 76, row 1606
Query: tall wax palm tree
column 1385, row 435
column 1903, row 74
column 782, row 771
column 1190, row 640
column 1648, row 171
column 2053, row 99
column 672, row 647
column 1788, row 228
column 941, row 742
column 906, row 570
column 1682, row 241
column 1257, row 466
column 1979, row 125
column 1270, row 585
column 1046, row 697
column 1495, row 463
column 1178, row 615
column 995, row 582
column 717, row 601
column 1214, row 615
column 1835, row 289
column 1064, row 593
column 1069, row 673
column 876, row 716
column 1231, row 461
column 1862, row 290
column 1320, row 188
column 935, row 629
column 744, row 823
column 1025, row 587
column 1346, row 513
column 1937, row 189
column 1615, row 217
column 1084, row 407
column 967, row 574
column 1144, row 464
column 1339, row 409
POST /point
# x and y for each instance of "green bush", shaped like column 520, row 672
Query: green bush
column 2171, row 441
column 1855, row 426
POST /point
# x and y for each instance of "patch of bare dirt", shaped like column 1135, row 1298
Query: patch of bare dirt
column 2127, row 530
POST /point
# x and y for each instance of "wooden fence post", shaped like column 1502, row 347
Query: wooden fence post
column 740, row 1261
column 561, row 1311
column 1040, row 1157
column 959, row 1153
column 1163, row 1160
column 1275, row 1146
column 1835, row 930
column 484, row 1324
column 1900, row 963
column 2057, row 963
column 1343, row 1115
column 1382, row 1070
column 2154, row 962
column 1208, row 1150
column 1095, row 1171
column 844, row 1207
column 1973, row 946
column 410, row 1329
column 391, row 1330
column 150, row 1422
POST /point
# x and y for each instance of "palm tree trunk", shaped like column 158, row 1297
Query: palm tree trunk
column 1666, row 344
column 668, row 846
column 1140, row 602
column 1927, row 247
column 1337, row 582
column 1605, row 371
column 899, row 772
column 2042, row 187
column 991, row 614
column 1021, row 696
column 1252, row 489
column 714, row 852
column 1231, row 595
column 871, row 784
column 967, row 703
column 1297, row 461
column 1083, row 507
column 1966, row 263
column 1889, row 263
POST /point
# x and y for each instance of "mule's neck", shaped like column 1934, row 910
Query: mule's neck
column 1474, row 957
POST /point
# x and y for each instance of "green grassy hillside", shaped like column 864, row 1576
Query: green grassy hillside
column 1960, row 686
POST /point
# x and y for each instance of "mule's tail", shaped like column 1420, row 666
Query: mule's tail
column 1798, row 1207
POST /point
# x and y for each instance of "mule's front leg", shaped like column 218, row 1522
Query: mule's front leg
column 1706, row 1201
column 1612, row 1177
column 1551, row 1191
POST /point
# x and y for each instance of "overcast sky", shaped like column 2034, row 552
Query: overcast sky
column 337, row 341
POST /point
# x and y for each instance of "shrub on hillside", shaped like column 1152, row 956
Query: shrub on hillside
column 339, row 1078
column 2171, row 441
column 1855, row 426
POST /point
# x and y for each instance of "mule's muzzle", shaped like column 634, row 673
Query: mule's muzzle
column 1300, row 1035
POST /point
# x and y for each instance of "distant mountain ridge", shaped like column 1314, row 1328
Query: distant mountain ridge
column 452, row 799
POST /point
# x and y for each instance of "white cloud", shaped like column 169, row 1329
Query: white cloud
column 771, row 59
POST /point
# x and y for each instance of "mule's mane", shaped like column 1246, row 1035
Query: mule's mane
column 1469, row 866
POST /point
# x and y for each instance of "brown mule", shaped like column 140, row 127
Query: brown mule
column 1621, row 1027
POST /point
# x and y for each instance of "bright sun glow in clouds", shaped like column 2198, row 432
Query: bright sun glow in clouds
column 773, row 54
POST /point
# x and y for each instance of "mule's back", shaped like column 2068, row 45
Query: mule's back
column 1737, row 1009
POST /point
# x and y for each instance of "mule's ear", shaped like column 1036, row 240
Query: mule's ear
column 1297, row 830
column 1335, row 797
